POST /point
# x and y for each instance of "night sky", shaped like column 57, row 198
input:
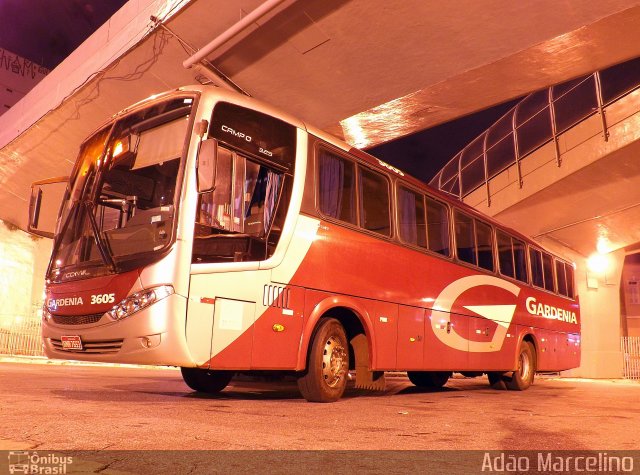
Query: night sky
column 424, row 153
column 47, row 31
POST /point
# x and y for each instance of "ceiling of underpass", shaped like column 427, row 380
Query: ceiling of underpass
column 368, row 70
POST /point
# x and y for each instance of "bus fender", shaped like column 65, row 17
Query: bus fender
column 320, row 310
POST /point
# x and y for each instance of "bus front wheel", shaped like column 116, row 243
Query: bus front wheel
column 429, row 379
column 205, row 380
column 326, row 376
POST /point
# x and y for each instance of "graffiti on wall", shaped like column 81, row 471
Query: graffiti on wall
column 20, row 66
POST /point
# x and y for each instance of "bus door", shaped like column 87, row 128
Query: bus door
column 199, row 325
column 220, row 320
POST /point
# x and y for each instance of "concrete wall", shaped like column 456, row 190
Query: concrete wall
column 23, row 262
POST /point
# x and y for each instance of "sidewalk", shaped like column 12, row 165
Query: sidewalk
column 43, row 360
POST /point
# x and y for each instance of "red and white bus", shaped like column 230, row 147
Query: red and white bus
column 204, row 229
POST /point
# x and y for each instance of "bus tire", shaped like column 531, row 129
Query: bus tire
column 205, row 380
column 326, row 376
column 429, row 379
column 523, row 376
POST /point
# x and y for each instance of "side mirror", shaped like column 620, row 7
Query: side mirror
column 44, row 206
column 207, row 165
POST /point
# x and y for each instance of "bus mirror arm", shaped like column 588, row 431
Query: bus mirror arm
column 207, row 157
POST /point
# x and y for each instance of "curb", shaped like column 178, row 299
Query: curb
column 43, row 360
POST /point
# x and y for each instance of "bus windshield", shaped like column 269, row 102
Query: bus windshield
column 119, row 204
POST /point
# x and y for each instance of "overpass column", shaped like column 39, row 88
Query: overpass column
column 599, row 294
column 600, row 314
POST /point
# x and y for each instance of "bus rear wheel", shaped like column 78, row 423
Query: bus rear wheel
column 326, row 377
column 429, row 379
column 523, row 376
column 205, row 380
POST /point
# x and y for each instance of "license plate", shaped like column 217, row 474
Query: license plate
column 71, row 342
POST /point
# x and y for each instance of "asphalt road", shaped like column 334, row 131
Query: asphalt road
column 93, row 408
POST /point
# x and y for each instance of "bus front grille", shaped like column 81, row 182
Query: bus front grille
column 94, row 347
column 76, row 319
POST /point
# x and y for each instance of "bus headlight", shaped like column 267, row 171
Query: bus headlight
column 136, row 302
column 46, row 315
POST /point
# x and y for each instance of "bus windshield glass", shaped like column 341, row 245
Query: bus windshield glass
column 119, row 205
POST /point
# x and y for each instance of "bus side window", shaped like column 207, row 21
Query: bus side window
column 505, row 254
column 411, row 217
column 484, row 245
column 547, row 265
column 336, row 192
column 465, row 238
column 562, row 281
column 511, row 256
column 537, row 277
column 569, row 273
column 374, row 202
column 438, row 227
column 520, row 260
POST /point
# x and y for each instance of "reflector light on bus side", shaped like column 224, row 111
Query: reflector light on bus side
column 44, row 205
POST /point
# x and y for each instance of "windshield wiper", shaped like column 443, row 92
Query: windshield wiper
column 102, row 246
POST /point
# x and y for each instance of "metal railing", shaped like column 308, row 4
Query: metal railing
column 631, row 353
column 535, row 121
column 22, row 337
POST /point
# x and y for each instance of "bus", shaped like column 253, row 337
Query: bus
column 206, row 230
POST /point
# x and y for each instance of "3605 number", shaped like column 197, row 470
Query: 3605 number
column 103, row 298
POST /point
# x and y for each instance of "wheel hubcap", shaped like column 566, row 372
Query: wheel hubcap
column 334, row 360
column 525, row 366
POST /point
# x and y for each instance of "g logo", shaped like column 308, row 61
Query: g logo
column 501, row 314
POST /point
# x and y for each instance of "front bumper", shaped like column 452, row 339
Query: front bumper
column 152, row 336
